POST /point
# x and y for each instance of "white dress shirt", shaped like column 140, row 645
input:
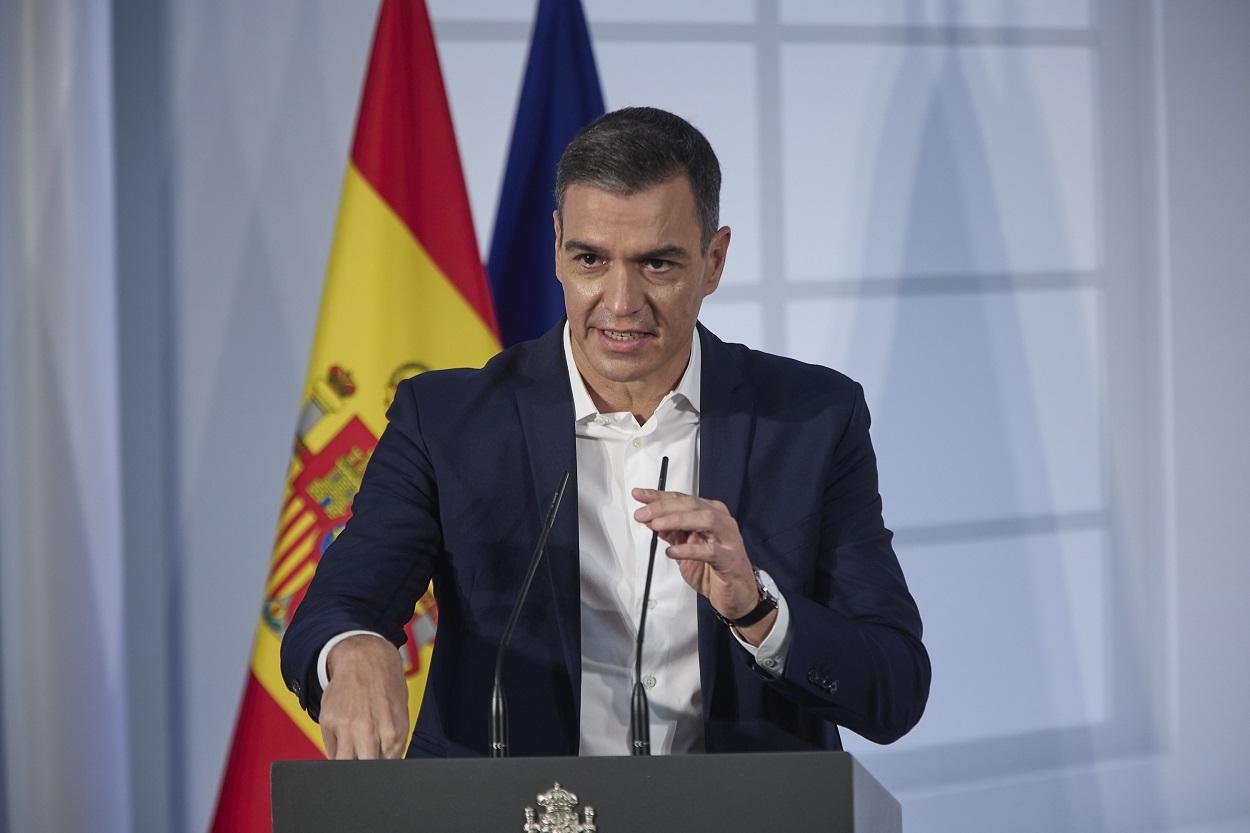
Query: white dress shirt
column 614, row 455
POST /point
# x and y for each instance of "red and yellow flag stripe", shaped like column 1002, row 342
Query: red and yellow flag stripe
column 405, row 292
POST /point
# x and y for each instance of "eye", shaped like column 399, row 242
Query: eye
column 587, row 259
column 656, row 264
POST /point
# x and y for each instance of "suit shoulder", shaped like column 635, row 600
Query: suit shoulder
column 460, row 391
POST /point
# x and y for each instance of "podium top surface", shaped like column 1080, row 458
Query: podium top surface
column 792, row 791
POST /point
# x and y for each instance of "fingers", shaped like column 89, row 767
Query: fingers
column 331, row 741
column 676, row 516
column 703, row 551
column 658, row 504
column 651, row 496
column 394, row 740
column 693, row 572
column 647, row 495
column 360, row 745
column 366, row 739
column 368, row 747
column 702, row 519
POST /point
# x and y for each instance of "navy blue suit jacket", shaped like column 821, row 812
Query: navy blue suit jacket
column 456, row 492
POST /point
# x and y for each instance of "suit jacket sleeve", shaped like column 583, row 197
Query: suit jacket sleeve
column 372, row 575
column 855, row 655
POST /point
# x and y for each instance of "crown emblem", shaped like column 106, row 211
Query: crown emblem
column 559, row 814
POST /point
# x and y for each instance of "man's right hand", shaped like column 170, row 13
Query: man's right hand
column 364, row 709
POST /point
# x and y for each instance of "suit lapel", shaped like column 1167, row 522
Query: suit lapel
column 726, row 424
column 726, row 428
column 545, row 407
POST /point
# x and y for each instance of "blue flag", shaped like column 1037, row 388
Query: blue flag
column 560, row 96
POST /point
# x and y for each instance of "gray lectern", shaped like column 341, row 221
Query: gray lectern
column 798, row 792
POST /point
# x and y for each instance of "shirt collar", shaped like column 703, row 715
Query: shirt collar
column 689, row 387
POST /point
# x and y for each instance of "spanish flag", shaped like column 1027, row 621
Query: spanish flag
column 405, row 292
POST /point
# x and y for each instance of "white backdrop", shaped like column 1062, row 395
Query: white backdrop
column 1007, row 219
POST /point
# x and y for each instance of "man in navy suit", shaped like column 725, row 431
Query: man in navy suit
column 779, row 612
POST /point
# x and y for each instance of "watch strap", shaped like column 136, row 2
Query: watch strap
column 767, row 604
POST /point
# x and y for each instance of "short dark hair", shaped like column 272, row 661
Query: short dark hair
column 632, row 149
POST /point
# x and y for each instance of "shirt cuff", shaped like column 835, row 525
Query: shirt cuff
column 770, row 654
column 323, row 676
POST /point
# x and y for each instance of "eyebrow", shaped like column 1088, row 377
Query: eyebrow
column 664, row 253
column 671, row 251
column 579, row 246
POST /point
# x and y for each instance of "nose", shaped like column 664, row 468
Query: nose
column 623, row 293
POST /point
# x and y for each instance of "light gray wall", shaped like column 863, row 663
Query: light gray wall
column 1020, row 224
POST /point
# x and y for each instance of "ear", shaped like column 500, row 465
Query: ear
column 558, row 228
column 717, row 249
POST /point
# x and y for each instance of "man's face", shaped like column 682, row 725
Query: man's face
column 634, row 275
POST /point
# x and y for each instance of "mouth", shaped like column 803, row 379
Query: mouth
column 623, row 341
column 624, row 335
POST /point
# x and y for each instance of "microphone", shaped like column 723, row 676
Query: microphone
column 639, row 710
column 498, row 705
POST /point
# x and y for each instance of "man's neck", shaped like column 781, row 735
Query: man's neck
column 638, row 398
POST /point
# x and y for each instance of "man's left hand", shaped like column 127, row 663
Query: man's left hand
column 704, row 540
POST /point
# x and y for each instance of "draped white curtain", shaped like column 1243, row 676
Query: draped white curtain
column 65, row 757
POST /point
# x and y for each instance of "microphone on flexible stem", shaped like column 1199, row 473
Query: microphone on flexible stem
column 639, row 710
column 498, row 705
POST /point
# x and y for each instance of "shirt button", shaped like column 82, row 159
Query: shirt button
column 637, row 442
column 648, row 681
column 651, row 603
column 769, row 663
